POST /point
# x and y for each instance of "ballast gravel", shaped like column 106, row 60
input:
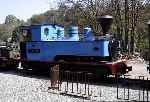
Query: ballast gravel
column 19, row 87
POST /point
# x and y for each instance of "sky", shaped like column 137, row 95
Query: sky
column 24, row 9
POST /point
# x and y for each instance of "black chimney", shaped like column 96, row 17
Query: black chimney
column 105, row 22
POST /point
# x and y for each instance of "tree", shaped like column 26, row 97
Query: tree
column 6, row 29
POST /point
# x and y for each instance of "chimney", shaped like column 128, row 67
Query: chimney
column 105, row 22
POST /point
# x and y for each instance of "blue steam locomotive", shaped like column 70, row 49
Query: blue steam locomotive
column 47, row 45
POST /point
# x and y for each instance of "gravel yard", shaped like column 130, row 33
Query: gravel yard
column 139, row 68
column 19, row 87
column 16, row 88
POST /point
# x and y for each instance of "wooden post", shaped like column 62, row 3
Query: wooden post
column 55, row 76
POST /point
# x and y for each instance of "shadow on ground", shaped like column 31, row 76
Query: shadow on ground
column 26, row 73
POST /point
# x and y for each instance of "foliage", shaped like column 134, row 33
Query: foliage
column 6, row 29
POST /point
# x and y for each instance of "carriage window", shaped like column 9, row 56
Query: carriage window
column 46, row 31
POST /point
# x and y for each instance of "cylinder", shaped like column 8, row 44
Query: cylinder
column 73, row 32
column 59, row 32
column 87, row 33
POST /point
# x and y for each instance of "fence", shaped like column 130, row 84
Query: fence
column 76, row 84
column 80, row 85
column 133, row 90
